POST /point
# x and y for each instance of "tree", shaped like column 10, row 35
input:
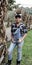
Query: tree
column 11, row 2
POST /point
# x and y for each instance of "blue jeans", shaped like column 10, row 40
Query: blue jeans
column 19, row 50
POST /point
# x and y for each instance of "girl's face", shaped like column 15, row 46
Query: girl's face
column 17, row 19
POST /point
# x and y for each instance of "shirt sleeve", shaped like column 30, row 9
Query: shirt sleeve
column 12, row 29
column 23, row 29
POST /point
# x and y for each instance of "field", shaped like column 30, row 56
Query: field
column 26, row 51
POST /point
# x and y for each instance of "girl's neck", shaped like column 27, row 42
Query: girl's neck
column 18, row 24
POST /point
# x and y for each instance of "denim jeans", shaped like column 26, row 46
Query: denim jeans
column 19, row 50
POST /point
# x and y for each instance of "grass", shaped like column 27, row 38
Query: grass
column 26, row 51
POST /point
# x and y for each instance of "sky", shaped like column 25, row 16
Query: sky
column 24, row 3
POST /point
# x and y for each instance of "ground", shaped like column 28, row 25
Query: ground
column 27, row 51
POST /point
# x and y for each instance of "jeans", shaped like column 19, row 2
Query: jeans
column 19, row 50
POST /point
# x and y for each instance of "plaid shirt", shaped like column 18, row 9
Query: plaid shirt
column 18, row 31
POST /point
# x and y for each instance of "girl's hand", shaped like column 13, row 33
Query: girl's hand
column 12, row 39
column 20, row 40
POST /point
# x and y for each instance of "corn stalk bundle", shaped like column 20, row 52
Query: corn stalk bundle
column 3, row 10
